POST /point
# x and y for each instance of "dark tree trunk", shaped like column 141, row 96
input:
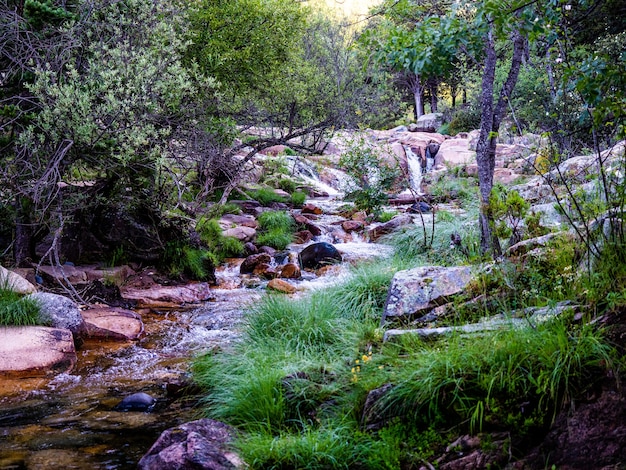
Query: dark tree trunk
column 23, row 245
column 432, row 87
column 490, row 120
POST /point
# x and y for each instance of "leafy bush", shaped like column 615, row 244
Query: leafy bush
column 16, row 310
column 298, row 198
column 371, row 176
column 464, row 120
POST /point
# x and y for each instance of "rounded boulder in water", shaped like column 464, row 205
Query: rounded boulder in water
column 319, row 254
column 136, row 402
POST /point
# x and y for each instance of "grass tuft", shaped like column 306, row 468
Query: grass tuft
column 16, row 310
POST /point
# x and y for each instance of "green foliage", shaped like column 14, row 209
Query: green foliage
column 266, row 196
column 464, row 119
column 181, row 259
column 275, row 229
column 386, row 216
column 298, row 198
column 16, row 310
column 509, row 210
column 371, row 176
column 219, row 246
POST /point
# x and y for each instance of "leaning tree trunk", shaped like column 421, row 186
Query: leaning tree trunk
column 490, row 120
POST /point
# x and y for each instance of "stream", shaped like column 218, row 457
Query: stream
column 70, row 422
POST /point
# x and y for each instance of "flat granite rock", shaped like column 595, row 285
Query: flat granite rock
column 113, row 324
column 35, row 351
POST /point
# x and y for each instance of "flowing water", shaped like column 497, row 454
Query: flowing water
column 70, row 422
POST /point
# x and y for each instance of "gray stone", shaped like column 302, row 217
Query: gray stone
column 200, row 445
column 418, row 290
column 15, row 282
column 60, row 312
column 136, row 402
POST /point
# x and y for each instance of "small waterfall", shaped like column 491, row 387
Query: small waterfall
column 415, row 169
column 301, row 168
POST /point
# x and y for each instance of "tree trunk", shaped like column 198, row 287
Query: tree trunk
column 432, row 86
column 490, row 120
column 23, row 249
column 415, row 85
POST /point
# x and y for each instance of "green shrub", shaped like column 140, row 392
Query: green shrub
column 218, row 210
column 220, row 246
column 16, row 310
column 386, row 216
column 181, row 259
column 265, row 196
column 298, row 198
column 371, row 176
column 464, row 120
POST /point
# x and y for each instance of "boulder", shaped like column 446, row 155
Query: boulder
column 427, row 123
column 319, row 254
column 117, row 274
column 415, row 291
column 15, row 282
column 241, row 233
column 112, row 324
column 64, row 274
column 311, row 209
column 455, row 151
column 352, row 225
column 202, row 445
column 398, row 221
column 303, row 236
column 265, row 270
column 59, row 312
column 250, row 263
column 158, row 295
column 136, row 402
column 36, row 351
column 281, row 285
column 230, row 220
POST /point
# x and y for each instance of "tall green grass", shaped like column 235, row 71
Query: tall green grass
column 276, row 229
column 16, row 310
column 516, row 378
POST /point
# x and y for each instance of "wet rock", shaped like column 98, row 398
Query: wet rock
column 352, row 225
column 136, row 402
column 15, row 282
column 384, row 229
column 319, row 254
column 291, row 271
column 59, row 312
column 265, row 271
column 303, row 236
column 309, row 208
column 250, row 263
column 113, row 324
column 305, row 223
column 281, row 285
column 168, row 295
column 250, row 249
column 267, row 250
column 36, row 351
column 200, row 445
column 415, row 291
column 419, row 207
